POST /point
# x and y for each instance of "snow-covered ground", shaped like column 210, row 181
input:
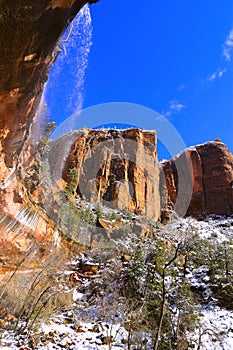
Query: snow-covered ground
column 216, row 329
column 214, row 227
column 215, row 333
column 67, row 330
column 59, row 335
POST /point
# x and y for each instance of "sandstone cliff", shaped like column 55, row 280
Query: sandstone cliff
column 29, row 33
column 116, row 168
column 119, row 169
column 210, row 168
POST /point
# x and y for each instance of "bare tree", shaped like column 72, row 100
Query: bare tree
column 164, row 292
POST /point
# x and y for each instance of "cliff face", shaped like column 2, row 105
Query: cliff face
column 116, row 168
column 210, row 167
column 29, row 32
column 119, row 169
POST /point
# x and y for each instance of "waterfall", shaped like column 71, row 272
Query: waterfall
column 64, row 91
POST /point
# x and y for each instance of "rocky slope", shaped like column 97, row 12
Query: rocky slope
column 116, row 295
column 210, row 168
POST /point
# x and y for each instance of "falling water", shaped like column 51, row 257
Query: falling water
column 64, row 91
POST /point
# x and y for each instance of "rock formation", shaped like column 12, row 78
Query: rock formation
column 116, row 168
column 29, row 38
column 119, row 169
column 210, row 168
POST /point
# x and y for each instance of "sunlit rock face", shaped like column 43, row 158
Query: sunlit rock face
column 211, row 168
column 118, row 168
column 29, row 33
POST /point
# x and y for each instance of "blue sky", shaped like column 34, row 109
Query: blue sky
column 172, row 56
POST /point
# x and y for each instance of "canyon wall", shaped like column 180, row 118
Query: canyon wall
column 116, row 168
column 29, row 35
column 120, row 169
column 29, row 44
column 210, row 166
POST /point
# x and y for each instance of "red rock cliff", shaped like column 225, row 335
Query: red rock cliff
column 117, row 168
column 29, row 32
column 210, row 167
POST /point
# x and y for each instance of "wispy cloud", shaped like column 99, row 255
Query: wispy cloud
column 174, row 106
column 216, row 75
column 228, row 47
column 181, row 87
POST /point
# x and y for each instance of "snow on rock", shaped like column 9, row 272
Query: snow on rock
column 78, row 296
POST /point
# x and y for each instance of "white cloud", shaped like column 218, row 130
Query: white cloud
column 221, row 72
column 228, row 46
column 212, row 77
column 174, row 105
column 227, row 53
column 216, row 75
